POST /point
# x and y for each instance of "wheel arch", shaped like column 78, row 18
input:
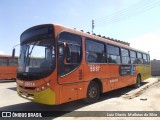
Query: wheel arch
column 89, row 98
column 98, row 81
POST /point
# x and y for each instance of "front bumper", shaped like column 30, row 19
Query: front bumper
column 45, row 97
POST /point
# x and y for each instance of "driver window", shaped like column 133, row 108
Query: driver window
column 70, row 53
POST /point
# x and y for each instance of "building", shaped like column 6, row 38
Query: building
column 155, row 67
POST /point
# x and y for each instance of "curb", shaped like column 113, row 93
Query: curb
column 140, row 90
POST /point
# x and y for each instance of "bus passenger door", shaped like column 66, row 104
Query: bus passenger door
column 70, row 67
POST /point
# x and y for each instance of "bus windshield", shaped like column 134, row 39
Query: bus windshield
column 37, row 57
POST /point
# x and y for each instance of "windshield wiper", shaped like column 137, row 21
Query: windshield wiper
column 29, row 52
column 32, row 48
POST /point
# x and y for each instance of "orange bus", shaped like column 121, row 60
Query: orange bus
column 8, row 67
column 74, row 65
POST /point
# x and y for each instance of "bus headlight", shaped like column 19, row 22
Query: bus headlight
column 48, row 84
column 37, row 89
column 42, row 87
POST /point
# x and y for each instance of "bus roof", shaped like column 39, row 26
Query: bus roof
column 106, row 40
column 5, row 55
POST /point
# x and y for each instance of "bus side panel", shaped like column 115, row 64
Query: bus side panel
column 116, row 81
column 8, row 72
column 127, row 80
column 116, row 78
column 148, row 72
column 104, row 71
column 145, row 71
column 107, row 85
column 86, row 84
column 72, row 77
column 68, row 93
column 114, row 68
column 100, row 71
column 120, row 82
column 81, row 90
column 72, row 92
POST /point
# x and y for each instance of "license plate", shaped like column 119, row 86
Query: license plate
column 25, row 94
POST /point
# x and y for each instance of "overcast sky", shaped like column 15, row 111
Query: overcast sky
column 136, row 22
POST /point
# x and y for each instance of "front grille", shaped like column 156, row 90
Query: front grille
column 27, row 88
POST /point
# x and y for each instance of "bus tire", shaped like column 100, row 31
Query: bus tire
column 138, row 82
column 93, row 92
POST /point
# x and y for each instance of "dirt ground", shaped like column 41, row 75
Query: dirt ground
column 145, row 98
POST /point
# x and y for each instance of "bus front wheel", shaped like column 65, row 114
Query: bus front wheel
column 92, row 93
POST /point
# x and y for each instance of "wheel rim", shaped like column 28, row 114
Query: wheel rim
column 93, row 92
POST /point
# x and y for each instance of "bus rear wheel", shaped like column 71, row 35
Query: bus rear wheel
column 92, row 93
column 138, row 82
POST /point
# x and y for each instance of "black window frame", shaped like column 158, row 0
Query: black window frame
column 148, row 59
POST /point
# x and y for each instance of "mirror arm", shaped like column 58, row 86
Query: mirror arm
column 14, row 50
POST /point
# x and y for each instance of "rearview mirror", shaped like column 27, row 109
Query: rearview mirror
column 14, row 50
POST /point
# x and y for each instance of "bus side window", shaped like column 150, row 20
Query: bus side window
column 139, row 56
column 133, row 57
column 3, row 61
column 113, row 54
column 95, row 51
column 125, row 56
column 145, row 61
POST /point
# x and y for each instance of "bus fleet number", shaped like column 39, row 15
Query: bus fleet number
column 94, row 68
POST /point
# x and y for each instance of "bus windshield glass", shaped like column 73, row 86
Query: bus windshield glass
column 37, row 57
